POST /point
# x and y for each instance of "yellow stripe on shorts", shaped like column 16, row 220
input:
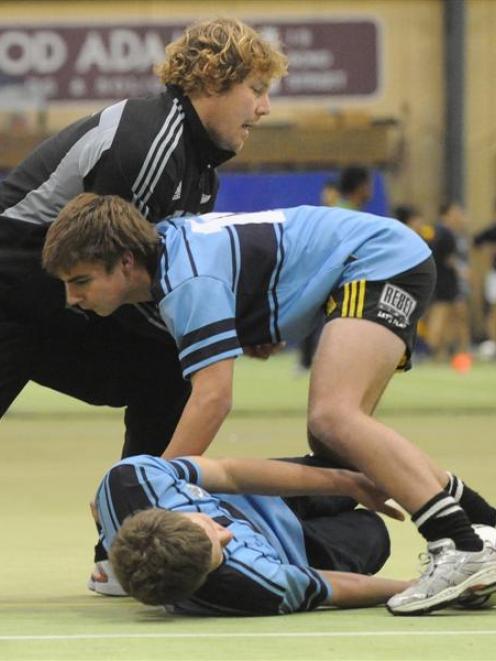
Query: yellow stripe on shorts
column 354, row 299
column 346, row 300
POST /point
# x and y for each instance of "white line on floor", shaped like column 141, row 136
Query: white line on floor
column 253, row 634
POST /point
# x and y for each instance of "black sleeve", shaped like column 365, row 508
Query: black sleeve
column 117, row 173
column 443, row 246
column 487, row 235
column 229, row 591
column 142, row 163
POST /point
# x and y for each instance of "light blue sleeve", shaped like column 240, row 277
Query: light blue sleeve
column 299, row 588
column 254, row 581
column 200, row 314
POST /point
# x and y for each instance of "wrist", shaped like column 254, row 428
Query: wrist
column 347, row 483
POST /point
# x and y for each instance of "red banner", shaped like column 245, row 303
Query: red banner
column 76, row 62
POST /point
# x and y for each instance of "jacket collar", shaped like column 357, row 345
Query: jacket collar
column 207, row 151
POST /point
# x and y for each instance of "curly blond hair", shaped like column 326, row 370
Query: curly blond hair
column 212, row 56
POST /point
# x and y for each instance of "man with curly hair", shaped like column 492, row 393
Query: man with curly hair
column 160, row 153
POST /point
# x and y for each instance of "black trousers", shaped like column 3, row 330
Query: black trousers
column 102, row 361
column 338, row 536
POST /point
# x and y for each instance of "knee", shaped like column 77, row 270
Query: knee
column 327, row 426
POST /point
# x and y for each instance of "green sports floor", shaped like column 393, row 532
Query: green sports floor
column 55, row 450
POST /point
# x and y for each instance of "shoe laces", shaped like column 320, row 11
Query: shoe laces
column 426, row 564
column 429, row 560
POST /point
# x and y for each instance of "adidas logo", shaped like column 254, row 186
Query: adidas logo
column 177, row 194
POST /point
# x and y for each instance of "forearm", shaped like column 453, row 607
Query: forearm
column 357, row 591
column 271, row 477
column 199, row 423
column 206, row 410
column 281, row 478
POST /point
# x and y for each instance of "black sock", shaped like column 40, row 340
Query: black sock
column 443, row 517
column 477, row 508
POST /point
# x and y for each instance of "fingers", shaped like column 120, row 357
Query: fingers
column 392, row 512
column 263, row 351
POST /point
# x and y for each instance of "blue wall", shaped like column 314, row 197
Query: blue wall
column 259, row 191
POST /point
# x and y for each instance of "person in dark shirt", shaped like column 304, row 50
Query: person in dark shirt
column 160, row 153
column 447, row 325
column 355, row 187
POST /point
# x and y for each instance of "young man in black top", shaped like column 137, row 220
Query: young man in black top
column 160, row 153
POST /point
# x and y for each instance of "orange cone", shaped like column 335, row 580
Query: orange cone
column 462, row 362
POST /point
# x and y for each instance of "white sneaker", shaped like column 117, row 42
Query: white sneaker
column 449, row 574
column 104, row 581
column 476, row 600
column 484, row 598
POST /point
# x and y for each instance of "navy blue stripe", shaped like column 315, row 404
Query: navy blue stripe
column 108, row 502
column 276, row 282
column 205, row 606
column 258, row 254
column 158, row 292
column 193, row 473
column 149, row 485
column 126, row 492
column 233, row 256
column 229, row 588
column 238, row 514
column 166, row 266
column 206, row 331
column 316, row 591
column 179, row 468
column 224, row 521
column 209, row 351
column 188, row 250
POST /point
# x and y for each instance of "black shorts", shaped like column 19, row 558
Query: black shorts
column 396, row 303
column 337, row 535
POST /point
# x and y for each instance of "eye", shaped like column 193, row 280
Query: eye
column 259, row 90
column 80, row 282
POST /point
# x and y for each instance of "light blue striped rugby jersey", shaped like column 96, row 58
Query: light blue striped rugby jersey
column 226, row 281
column 265, row 568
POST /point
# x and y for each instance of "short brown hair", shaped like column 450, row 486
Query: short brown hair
column 97, row 228
column 212, row 56
column 160, row 557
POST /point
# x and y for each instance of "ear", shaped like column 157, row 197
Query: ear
column 128, row 261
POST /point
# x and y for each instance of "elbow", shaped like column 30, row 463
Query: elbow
column 223, row 404
column 219, row 404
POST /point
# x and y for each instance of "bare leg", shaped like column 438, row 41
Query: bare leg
column 354, row 362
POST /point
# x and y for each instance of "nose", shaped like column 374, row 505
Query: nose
column 225, row 536
column 71, row 297
column 264, row 105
